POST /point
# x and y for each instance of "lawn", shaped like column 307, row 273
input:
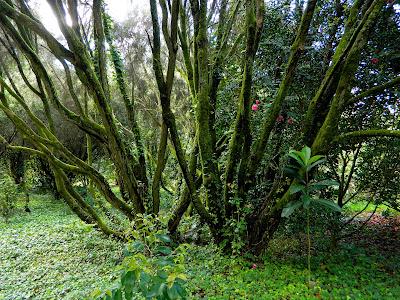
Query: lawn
column 50, row 254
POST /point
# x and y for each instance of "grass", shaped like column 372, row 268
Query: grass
column 50, row 254
column 356, row 206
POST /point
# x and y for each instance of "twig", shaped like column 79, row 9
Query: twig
column 362, row 225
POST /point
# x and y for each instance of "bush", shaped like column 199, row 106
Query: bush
column 8, row 195
column 152, row 267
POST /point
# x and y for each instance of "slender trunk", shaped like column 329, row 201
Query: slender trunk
column 211, row 179
column 129, row 107
column 161, row 160
column 240, row 142
column 297, row 49
column 308, row 246
column 184, row 200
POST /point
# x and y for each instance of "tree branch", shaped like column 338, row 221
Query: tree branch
column 375, row 90
column 365, row 134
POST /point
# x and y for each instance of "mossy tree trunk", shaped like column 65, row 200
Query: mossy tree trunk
column 165, row 84
column 92, row 73
column 204, row 50
column 339, row 78
column 240, row 143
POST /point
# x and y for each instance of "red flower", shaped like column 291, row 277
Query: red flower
column 254, row 107
column 254, row 266
column 290, row 121
column 374, row 60
column 258, row 102
column 280, row 119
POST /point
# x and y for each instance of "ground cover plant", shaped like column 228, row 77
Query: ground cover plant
column 158, row 130
column 50, row 254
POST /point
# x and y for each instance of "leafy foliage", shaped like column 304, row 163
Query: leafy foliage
column 152, row 267
column 305, row 164
column 347, row 272
column 235, row 231
column 8, row 195
column 303, row 183
column 234, row 100
column 51, row 254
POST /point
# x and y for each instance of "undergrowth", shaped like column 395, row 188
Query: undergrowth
column 50, row 254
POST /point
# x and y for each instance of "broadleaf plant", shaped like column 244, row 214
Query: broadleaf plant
column 303, row 165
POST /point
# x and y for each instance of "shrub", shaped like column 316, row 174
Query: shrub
column 8, row 195
column 152, row 267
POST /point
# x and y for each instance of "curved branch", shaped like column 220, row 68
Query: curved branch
column 375, row 90
column 297, row 49
column 19, row 148
column 364, row 134
column 22, row 19
column 85, row 124
column 14, row 56
column 358, row 213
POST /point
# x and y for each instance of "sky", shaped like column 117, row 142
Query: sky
column 118, row 9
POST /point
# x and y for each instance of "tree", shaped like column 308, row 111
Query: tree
column 200, row 43
column 90, row 68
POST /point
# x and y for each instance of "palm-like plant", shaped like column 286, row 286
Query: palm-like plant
column 303, row 183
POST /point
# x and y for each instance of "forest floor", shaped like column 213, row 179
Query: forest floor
column 50, row 254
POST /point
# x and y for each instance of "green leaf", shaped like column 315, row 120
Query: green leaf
column 164, row 250
column 163, row 290
column 315, row 158
column 138, row 246
column 306, row 200
column 316, row 186
column 143, row 285
column 295, row 156
column 328, row 204
column 162, row 274
column 290, row 172
column 154, row 291
column 144, row 278
column 126, row 252
column 304, row 155
column 173, row 293
column 290, row 208
column 164, row 261
column 164, row 238
column 315, row 164
column 181, row 291
column 295, row 188
column 95, row 294
column 307, row 154
column 117, row 294
column 128, row 282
